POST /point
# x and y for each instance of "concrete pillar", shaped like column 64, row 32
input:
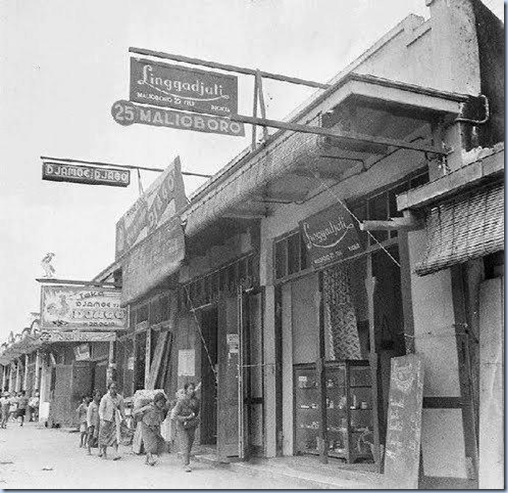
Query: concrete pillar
column 269, row 374
column 4, row 377
column 12, row 376
column 43, row 390
column 491, row 470
column 147, row 356
column 111, row 370
column 25, row 374
column 287, row 371
column 443, row 444
column 18, row 375
column 37, row 376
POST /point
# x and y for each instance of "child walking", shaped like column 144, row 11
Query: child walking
column 81, row 411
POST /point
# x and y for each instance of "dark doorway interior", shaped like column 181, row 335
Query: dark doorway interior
column 209, row 324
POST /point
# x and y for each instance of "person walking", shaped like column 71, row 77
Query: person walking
column 33, row 407
column 4, row 409
column 152, row 416
column 186, row 416
column 111, row 414
column 22, row 407
column 92, row 422
column 81, row 411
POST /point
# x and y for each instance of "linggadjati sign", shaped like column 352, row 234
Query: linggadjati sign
column 183, row 88
column 330, row 235
column 73, row 308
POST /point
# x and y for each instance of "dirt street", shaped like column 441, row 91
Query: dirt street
column 34, row 458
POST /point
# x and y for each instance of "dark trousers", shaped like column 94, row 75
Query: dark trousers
column 185, row 441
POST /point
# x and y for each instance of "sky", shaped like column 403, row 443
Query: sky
column 64, row 63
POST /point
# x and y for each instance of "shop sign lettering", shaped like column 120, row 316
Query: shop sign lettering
column 70, row 307
column 86, row 175
column 183, row 88
column 126, row 113
column 330, row 235
column 156, row 206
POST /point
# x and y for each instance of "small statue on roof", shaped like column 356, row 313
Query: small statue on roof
column 49, row 270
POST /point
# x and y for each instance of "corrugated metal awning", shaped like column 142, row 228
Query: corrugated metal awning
column 464, row 228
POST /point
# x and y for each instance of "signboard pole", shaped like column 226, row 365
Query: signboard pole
column 255, row 114
column 262, row 102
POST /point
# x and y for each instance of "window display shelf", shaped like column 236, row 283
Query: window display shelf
column 349, row 414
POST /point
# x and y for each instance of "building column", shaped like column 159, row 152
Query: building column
column 43, row 386
column 37, row 375
column 147, row 356
column 25, row 374
column 111, row 370
column 269, row 374
column 4, row 374
column 12, row 375
column 18, row 375
column 443, row 434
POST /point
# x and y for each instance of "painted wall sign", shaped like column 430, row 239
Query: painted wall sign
column 404, row 424
column 87, row 175
column 330, row 235
column 183, row 88
column 157, row 205
column 127, row 113
column 82, row 352
column 70, row 307
column 153, row 260
column 186, row 362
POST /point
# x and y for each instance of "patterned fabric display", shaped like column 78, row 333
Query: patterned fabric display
column 340, row 317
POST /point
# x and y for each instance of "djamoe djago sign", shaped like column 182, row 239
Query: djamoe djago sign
column 86, row 175
column 330, row 235
column 75, row 308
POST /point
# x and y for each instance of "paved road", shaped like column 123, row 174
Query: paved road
column 26, row 452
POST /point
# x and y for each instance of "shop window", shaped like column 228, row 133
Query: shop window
column 290, row 255
column 294, row 254
column 280, row 259
column 207, row 289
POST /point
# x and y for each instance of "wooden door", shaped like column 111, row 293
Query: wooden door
column 228, row 377
column 61, row 411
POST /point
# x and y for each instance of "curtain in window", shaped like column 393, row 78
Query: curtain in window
column 341, row 331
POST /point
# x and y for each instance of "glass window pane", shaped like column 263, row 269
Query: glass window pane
column 280, row 259
column 294, row 253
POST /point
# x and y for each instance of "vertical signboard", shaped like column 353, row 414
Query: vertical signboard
column 404, row 424
column 330, row 235
column 156, row 206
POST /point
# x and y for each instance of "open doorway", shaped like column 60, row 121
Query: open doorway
column 209, row 324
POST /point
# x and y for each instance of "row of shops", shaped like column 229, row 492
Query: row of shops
column 292, row 347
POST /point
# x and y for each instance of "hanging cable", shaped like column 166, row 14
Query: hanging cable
column 343, row 204
column 193, row 310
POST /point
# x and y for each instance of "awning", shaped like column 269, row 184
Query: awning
column 468, row 227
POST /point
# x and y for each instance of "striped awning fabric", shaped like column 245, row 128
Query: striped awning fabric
column 464, row 228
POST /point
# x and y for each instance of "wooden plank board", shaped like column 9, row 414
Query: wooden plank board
column 404, row 424
column 157, row 359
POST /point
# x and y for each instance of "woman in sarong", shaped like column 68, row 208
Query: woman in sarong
column 152, row 417
column 111, row 414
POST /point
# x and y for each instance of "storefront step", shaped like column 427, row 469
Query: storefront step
column 314, row 475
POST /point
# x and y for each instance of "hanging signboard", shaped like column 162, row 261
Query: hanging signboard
column 153, row 260
column 158, row 204
column 183, row 88
column 49, row 336
column 404, row 423
column 71, row 307
column 330, row 235
column 127, row 113
column 86, row 175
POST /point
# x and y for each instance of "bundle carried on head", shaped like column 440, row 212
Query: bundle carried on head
column 144, row 397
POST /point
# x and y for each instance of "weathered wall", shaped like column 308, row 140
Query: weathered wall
column 443, row 446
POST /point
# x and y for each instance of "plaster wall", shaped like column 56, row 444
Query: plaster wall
column 443, row 446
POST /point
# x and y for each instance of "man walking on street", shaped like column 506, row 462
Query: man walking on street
column 185, row 414
column 22, row 406
column 111, row 414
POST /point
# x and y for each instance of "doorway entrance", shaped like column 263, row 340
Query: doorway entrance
column 209, row 324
